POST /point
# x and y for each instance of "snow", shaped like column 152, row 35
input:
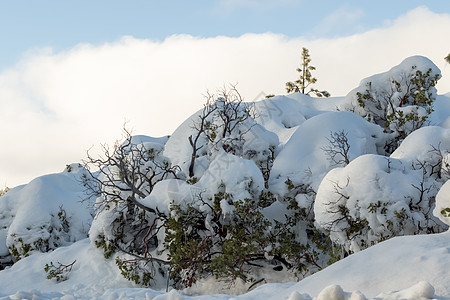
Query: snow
column 393, row 265
column 178, row 147
column 35, row 213
column 420, row 144
column 382, row 85
column 378, row 190
column 232, row 173
column 303, row 160
column 289, row 136
column 281, row 115
column 236, row 174
column 170, row 191
column 409, row 267
column 91, row 275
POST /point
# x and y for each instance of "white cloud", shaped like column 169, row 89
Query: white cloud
column 57, row 105
column 340, row 22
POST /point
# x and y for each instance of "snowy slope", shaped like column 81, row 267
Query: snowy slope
column 380, row 271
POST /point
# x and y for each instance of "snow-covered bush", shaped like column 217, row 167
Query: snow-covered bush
column 221, row 231
column 233, row 228
column 226, row 123
column 123, row 225
column 247, row 139
column 44, row 214
column 214, row 242
column 400, row 100
column 375, row 197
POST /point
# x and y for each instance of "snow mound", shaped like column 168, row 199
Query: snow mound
column 281, row 115
column 375, row 198
column 424, row 144
column 388, row 266
column 92, row 275
column 303, row 160
column 238, row 176
column 168, row 192
column 45, row 214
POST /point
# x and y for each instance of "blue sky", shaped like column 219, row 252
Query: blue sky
column 26, row 25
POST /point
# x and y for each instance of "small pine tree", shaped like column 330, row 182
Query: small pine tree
column 306, row 78
column 447, row 58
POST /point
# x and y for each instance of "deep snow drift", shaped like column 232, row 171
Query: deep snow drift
column 405, row 193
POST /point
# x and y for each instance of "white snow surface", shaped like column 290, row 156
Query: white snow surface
column 30, row 212
column 303, row 159
column 421, row 142
column 409, row 267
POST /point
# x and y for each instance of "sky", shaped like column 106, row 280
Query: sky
column 72, row 73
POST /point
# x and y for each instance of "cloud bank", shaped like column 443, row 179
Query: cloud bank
column 55, row 106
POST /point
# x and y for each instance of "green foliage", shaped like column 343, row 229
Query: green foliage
column 402, row 107
column 447, row 58
column 245, row 241
column 108, row 248
column 56, row 233
column 135, row 270
column 306, row 78
column 373, row 207
column 59, row 272
column 226, row 245
column 445, row 212
column 20, row 249
column 334, row 252
column 203, row 240
column 192, row 180
column 289, row 184
column 355, row 226
column 186, row 243
column 296, row 255
column 64, row 220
